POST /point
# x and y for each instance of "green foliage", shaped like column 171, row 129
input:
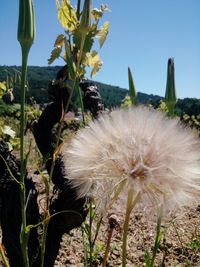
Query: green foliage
column 192, row 121
column 32, row 113
column 163, row 107
column 190, row 106
column 81, row 29
column 67, row 15
column 9, row 130
column 55, row 53
column 6, row 87
column 93, row 250
column 103, row 32
column 149, row 259
column 194, row 244
column 40, row 77
column 126, row 102
column 2, row 89
column 11, row 110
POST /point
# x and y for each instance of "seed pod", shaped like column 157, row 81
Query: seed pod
column 132, row 90
column 86, row 16
column 170, row 94
column 26, row 23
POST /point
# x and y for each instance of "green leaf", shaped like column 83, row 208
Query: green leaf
column 60, row 40
column 103, row 32
column 97, row 13
column 86, row 17
column 93, row 60
column 70, row 61
column 8, row 131
column 89, row 39
column 55, row 53
column 67, row 15
column 2, row 89
column 2, row 86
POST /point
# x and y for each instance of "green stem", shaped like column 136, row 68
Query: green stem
column 131, row 201
column 97, row 231
column 81, row 50
column 2, row 254
column 90, row 233
column 78, row 9
column 84, row 247
column 43, row 246
column 23, row 234
column 78, row 70
column 81, row 103
column 158, row 236
column 45, row 222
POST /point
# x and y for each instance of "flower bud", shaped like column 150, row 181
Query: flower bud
column 132, row 90
column 170, row 94
column 26, row 23
column 86, row 16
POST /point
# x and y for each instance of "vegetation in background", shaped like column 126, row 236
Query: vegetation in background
column 75, row 48
column 81, row 29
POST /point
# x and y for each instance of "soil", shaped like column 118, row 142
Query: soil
column 179, row 247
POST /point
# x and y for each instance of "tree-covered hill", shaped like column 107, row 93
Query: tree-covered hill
column 39, row 78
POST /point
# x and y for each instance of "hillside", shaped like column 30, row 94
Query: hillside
column 39, row 78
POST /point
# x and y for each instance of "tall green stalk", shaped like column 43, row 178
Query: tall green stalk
column 25, row 36
column 23, row 235
column 158, row 235
column 131, row 201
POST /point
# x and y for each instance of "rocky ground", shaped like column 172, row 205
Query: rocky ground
column 180, row 246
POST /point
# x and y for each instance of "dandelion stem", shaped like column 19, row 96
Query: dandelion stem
column 84, row 246
column 158, row 236
column 131, row 201
column 90, row 233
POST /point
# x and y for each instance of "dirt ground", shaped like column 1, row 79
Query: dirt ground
column 180, row 246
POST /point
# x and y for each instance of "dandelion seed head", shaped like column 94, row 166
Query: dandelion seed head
column 157, row 156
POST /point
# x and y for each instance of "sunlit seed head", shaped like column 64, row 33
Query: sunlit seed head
column 157, row 156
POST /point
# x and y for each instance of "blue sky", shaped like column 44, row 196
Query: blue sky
column 143, row 35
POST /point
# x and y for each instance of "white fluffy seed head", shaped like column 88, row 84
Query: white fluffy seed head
column 156, row 155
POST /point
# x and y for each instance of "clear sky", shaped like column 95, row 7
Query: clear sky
column 143, row 35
